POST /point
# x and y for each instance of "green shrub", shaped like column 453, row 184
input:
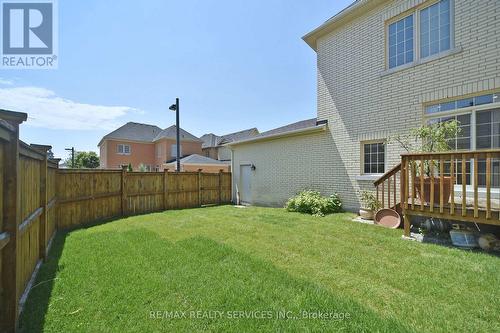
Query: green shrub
column 311, row 202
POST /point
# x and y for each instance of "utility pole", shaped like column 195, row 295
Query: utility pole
column 72, row 150
column 175, row 107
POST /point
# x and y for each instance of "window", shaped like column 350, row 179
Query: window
column 480, row 130
column 401, row 42
column 158, row 151
column 122, row 149
column 435, row 29
column 374, row 158
column 432, row 24
column 173, row 150
column 463, row 139
column 463, row 103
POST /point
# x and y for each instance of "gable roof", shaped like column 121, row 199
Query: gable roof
column 349, row 13
column 134, row 132
column 170, row 133
column 146, row 133
column 290, row 129
column 212, row 140
column 197, row 159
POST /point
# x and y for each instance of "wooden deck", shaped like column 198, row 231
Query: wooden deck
column 455, row 172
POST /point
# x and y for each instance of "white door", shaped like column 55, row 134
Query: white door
column 245, row 174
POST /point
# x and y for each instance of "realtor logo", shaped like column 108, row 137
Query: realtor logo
column 29, row 34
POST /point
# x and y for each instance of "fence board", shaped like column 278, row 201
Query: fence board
column 29, row 229
column 86, row 196
column 37, row 199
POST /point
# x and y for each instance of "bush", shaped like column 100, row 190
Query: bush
column 311, row 202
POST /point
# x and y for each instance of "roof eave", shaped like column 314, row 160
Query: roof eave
column 344, row 16
column 308, row 130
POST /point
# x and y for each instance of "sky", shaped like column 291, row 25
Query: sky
column 233, row 64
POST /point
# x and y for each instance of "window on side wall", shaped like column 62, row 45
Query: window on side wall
column 173, row 150
column 373, row 158
column 122, row 149
column 433, row 24
column 401, row 42
column 435, row 29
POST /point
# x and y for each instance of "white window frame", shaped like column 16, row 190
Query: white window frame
column 123, row 150
column 472, row 110
column 417, row 59
column 362, row 167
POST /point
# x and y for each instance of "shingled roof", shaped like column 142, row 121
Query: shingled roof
column 146, row 133
column 170, row 133
column 212, row 140
column 197, row 159
column 299, row 126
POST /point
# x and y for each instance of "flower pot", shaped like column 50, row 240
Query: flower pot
column 437, row 190
column 366, row 214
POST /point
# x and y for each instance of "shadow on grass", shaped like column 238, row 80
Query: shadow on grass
column 39, row 297
column 113, row 280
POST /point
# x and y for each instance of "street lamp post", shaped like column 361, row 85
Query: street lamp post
column 175, row 107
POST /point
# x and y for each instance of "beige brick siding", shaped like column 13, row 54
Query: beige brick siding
column 285, row 166
column 362, row 104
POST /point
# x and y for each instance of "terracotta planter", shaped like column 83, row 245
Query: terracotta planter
column 437, row 189
column 366, row 214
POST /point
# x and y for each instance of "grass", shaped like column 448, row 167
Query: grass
column 110, row 277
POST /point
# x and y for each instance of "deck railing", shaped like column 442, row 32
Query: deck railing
column 387, row 186
column 458, row 185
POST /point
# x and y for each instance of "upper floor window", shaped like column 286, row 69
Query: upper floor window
column 158, row 151
column 435, row 29
column 123, row 149
column 432, row 24
column 173, row 150
column 401, row 42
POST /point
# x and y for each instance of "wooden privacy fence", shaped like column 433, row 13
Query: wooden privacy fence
column 86, row 196
column 27, row 213
column 37, row 199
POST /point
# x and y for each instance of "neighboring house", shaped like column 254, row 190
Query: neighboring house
column 149, row 145
column 197, row 162
column 213, row 145
column 383, row 67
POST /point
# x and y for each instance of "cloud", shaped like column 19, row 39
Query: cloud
column 6, row 82
column 46, row 109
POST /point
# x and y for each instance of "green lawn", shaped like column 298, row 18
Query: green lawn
column 255, row 262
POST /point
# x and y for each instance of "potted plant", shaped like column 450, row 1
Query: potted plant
column 430, row 138
column 370, row 205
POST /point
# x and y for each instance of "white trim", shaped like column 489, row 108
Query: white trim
column 420, row 61
column 369, row 177
column 317, row 128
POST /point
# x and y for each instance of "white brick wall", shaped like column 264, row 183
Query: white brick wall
column 361, row 104
column 286, row 166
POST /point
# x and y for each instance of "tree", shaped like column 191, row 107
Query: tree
column 85, row 160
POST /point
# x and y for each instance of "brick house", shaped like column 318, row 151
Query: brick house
column 383, row 67
column 144, row 144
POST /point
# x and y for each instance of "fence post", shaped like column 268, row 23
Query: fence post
column 199, row 188
column 165, row 189
column 43, row 203
column 220, row 187
column 124, row 190
column 9, row 300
